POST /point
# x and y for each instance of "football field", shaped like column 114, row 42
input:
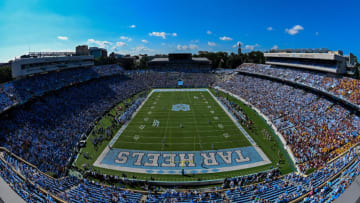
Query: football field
column 176, row 131
column 181, row 121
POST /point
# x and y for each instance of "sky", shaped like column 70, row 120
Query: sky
column 159, row 27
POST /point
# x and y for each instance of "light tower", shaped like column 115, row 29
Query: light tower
column 239, row 49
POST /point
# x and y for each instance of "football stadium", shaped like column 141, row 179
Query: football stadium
column 212, row 122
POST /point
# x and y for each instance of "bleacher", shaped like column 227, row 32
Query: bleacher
column 342, row 87
column 33, row 185
column 22, row 90
column 93, row 192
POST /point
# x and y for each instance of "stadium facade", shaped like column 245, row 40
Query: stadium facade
column 180, row 60
column 312, row 59
column 29, row 66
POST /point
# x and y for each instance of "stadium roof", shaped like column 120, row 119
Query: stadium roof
column 196, row 59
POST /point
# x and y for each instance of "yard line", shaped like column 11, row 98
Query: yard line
column 167, row 122
column 196, row 125
column 177, row 143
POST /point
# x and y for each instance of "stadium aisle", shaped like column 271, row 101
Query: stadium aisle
column 7, row 194
column 351, row 194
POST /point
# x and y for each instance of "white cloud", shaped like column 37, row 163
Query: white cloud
column 158, row 34
column 144, row 41
column 163, row 44
column 129, row 39
column 317, row 33
column 237, row 44
column 56, row 50
column 101, row 44
column 132, row 26
column 136, row 50
column 181, row 47
column 120, row 44
column 212, row 44
column 193, row 46
column 294, row 30
column 251, row 47
column 62, row 38
column 208, row 32
column 187, row 47
column 141, row 49
column 194, row 41
column 269, row 28
column 162, row 34
column 224, row 38
column 275, row 47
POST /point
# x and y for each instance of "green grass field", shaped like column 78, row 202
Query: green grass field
column 272, row 148
column 205, row 126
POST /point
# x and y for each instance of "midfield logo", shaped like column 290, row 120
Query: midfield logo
column 181, row 107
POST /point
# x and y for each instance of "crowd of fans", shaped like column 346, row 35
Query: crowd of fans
column 236, row 110
column 67, row 188
column 187, row 196
column 169, row 79
column 291, row 186
column 314, row 128
column 26, row 190
column 25, row 179
column 126, row 115
column 20, row 91
column 333, row 189
column 45, row 130
column 343, row 87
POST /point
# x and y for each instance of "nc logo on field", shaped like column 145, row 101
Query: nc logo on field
column 181, row 107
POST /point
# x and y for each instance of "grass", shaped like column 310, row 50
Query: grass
column 203, row 127
column 197, row 122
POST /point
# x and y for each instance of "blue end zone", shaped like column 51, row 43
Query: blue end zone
column 194, row 162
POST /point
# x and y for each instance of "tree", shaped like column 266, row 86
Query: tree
column 224, row 60
column 143, row 62
column 112, row 58
column 255, row 57
column 5, row 73
column 357, row 65
column 234, row 60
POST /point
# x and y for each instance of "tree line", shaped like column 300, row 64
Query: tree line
column 225, row 60
column 5, row 73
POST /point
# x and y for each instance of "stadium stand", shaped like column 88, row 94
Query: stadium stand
column 333, row 189
column 26, row 179
column 45, row 131
column 316, row 129
column 44, row 117
column 342, row 87
column 21, row 91
column 68, row 113
column 293, row 185
column 30, row 183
